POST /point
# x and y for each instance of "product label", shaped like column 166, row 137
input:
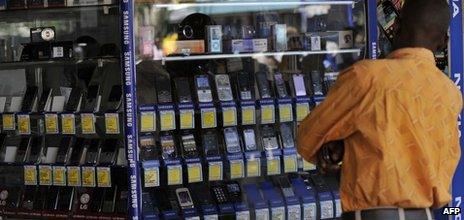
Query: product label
column 68, row 124
column 290, row 163
column 30, row 175
column 294, row 212
column 338, row 208
column 327, row 211
column 112, row 123
column 308, row 166
column 254, row 167
column 273, row 166
column 104, row 176
column 267, row 114
column 74, row 176
column 302, row 110
column 88, row 123
column 215, row 171
column 236, row 169
column 243, row 215
column 175, row 175
column 151, row 177
column 45, row 175
column 88, row 176
column 8, row 122
column 59, row 176
column 147, row 120
column 51, row 123
column 229, row 116
column 195, row 173
column 208, row 118
column 310, row 211
column 168, row 120
column 187, row 119
column 248, row 115
column 262, row 214
column 285, row 113
column 278, row 213
column 24, row 124
column 210, row 217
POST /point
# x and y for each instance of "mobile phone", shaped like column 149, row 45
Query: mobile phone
column 64, row 149
column 92, row 151
column 280, row 85
column 36, row 150
column 330, row 79
column 77, row 153
column 65, row 198
column 2, row 104
column 285, row 186
column 109, row 200
column 232, row 140
column 30, row 98
column 317, row 81
column 203, row 88
column 108, row 152
column 386, row 15
column 184, row 198
column 250, row 139
column 286, row 133
column 223, row 88
column 91, row 98
column 114, row 99
column 148, row 202
column 220, row 194
column 183, row 90
column 147, row 147
column 168, row 146
column 163, row 88
column 13, row 197
column 246, row 86
column 74, row 99
column 234, row 191
column 121, row 202
column 58, row 103
column 45, row 99
column 299, row 85
column 189, row 145
column 41, row 200
column 10, row 149
column 210, row 143
column 263, row 85
column 23, row 148
column 28, row 197
column 51, row 198
column 269, row 138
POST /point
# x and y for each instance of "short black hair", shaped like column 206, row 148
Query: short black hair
column 426, row 15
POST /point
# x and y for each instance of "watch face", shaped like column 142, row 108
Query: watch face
column 47, row 34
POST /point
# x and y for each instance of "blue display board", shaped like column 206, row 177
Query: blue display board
column 130, row 106
column 372, row 35
column 456, row 73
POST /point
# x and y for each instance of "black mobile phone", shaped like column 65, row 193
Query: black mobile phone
column 23, row 149
column 317, row 82
column 147, row 147
column 210, row 143
column 29, row 99
column 77, row 152
column 386, row 15
column 189, row 145
column 51, row 198
column 44, row 98
column 65, row 198
column 121, row 202
column 286, row 134
column 97, row 200
column 36, row 150
column 93, row 150
column 234, row 191
column 184, row 94
column 220, row 194
column 281, row 85
column 63, row 150
column 246, row 86
column 109, row 199
column 263, row 85
column 91, row 98
column 13, row 196
column 28, row 197
column 109, row 151
column 73, row 100
column 114, row 99
column 148, row 201
column 163, row 88
column 168, row 145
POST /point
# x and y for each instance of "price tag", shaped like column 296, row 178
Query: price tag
column 229, row 116
column 285, row 113
column 104, row 176
column 308, row 166
column 45, row 175
column 88, row 123
column 8, row 122
column 88, row 176
column 290, row 163
column 148, row 121
column 112, row 123
column 30, row 175
column 302, row 110
column 74, row 176
column 68, row 124
column 273, row 166
column 187, row 119
column 51, row 123
column 236, row 169
column 59, row 176
column 267, row 114
column 253, row 168
column 152, row 178
column 168, row 120
column 24, row 124
column 248, row 115
column 195, row 173
column 215, row 171
column 208, row 118
column 175, row 175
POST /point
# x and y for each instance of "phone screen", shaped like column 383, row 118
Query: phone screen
column 386, row 15
column 203, row 83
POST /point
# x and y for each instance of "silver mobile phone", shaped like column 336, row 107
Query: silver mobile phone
column 203, row 88
column 223, row 87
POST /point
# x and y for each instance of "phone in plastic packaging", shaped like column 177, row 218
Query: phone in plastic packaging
column 203, row 88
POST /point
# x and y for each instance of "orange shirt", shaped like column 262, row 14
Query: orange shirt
column 398, row 119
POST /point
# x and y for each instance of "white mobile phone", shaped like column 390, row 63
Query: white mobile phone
column 298, row 82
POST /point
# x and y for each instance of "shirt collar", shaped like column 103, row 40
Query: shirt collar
column 413, row 52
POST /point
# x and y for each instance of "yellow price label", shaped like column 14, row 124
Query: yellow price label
column 74, row 176
column 24, row 124
column 45, row 175
column 151, row 177
column 273, row 167
column 88, row 176
column 267, row 114
column 59, row 176
column 104, row 176
column 285, row 113
column 208, row 118
column 68, row 124
column 8, row 122
column 302, row 110
column 88, row 123
column 229, row 116
column 253, row 168
column 215, row 171
column 308, row 166
column 290, row 164
column 186, row 119
column 174, row 175
column 248, row 115
column 51, row 123
column 30, row 175
column 236, row 169
column 112, row 123
column 195, row 173
column 168, row 120
column 147, row 120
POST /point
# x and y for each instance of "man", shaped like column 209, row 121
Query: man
column 397, row 120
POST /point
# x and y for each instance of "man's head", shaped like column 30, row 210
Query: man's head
column 423, row 23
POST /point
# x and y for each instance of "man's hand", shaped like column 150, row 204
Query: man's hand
column 329, row 157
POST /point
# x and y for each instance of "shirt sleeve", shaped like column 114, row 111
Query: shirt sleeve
column 334, row 119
